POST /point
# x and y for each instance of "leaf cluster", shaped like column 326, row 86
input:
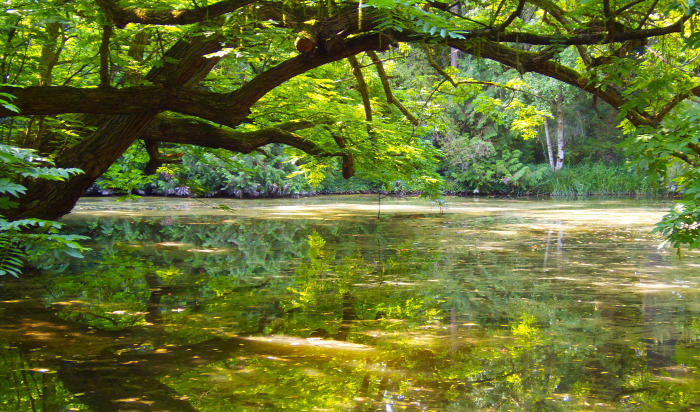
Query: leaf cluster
column 30, row 238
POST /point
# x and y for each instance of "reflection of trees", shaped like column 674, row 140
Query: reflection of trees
column 422, row 325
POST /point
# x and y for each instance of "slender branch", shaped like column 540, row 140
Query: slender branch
column 156, row 160
column 513, row 15
column 581, row 38
column 437, row 67
column 628, row 6
column 606, row 9
column 677, row 99
column 556, row 11
column 387, row 88
column 647, row 15
column 465, row 18
column 684, row 157
column 361, row 87
column 609, row 19
column 694, row 147
column 498, row 10
column 348, row 158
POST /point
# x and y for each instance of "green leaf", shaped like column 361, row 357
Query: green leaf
column 13, row 189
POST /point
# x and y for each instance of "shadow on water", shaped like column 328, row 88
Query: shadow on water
column 323, row 306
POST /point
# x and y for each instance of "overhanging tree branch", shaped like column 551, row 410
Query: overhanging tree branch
column 193, row 131
column 602, row 37
column 525, row 61
column 121, row 16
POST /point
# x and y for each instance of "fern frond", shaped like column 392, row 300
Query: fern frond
column 11, row 256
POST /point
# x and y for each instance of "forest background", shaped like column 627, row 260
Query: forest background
column 519, row 135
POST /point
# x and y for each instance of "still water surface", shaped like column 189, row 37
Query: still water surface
column 323, row 304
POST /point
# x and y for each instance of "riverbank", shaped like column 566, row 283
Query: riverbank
column 591, row 179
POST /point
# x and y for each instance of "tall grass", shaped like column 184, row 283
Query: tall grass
column 599, row 179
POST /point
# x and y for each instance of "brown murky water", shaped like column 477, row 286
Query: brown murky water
column 322, row 304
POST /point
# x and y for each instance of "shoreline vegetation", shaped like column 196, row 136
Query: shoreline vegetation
column 583, row 180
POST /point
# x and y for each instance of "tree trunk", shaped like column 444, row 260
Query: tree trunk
column 114, row 135
column 560, row 131
column 48, row 199
column 548, row 138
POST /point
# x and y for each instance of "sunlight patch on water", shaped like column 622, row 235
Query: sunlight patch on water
column 171, row 244
column 335, row 345
column 658, row 286
column 208, row 250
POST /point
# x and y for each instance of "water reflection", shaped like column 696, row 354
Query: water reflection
column 262, row 306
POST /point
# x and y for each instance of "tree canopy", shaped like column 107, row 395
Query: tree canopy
column 83, row 80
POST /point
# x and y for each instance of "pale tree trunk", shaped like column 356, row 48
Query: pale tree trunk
column 548, row 138
column 560, row 131
column 454, row 53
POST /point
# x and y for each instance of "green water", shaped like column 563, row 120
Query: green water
column 324, row 304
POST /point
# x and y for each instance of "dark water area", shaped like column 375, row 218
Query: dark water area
column 324, row 304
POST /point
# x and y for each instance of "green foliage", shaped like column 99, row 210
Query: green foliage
column 410, row 15
column 34, row 239
column 670, row 153
column 5, row 101
column 207, row 173
column 681, row 227
column 600, row 179
column 126, row 176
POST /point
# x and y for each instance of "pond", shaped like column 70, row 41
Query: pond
column 355, row 303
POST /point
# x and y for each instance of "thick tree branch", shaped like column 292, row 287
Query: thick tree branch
column 38, row 100
column 192, row 131
column 121, row 16
column 112, row 136
column 275, row 76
